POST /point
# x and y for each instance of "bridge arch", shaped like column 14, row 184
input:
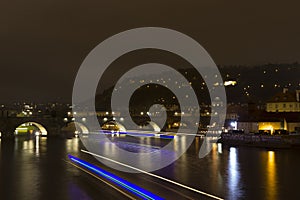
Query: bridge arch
column 155, row 127
column 76, row 127
column 178, row 124
column 41, row 130
column 113, row 125
column 149, row 126
column 81, row 127
column 121, row 126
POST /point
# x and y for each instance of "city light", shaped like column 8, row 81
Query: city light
column 227, row 83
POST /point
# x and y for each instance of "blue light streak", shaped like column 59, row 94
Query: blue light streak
column 138, row 191
column 141, row 134
column 167, row 136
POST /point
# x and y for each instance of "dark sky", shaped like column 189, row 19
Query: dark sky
column 42, row 43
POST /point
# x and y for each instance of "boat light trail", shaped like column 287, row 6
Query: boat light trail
column 154, row 175
column 138, row 191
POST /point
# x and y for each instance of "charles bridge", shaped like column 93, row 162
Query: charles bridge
column 52, row 126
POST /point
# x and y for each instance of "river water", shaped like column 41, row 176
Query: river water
column 37, row 169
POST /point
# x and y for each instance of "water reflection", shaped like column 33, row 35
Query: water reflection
column 72, row 146
column 76, row 192
column 21, row 157
column 234, row 174
column 220, row 148
column 271, row 176
column 30, row 166
column 215, row 166
column 37, row 145
column 146, row 153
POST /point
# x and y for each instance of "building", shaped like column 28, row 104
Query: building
column 271, row 123
column 248, row 126
column 284, row 102
column 273, row 126
column 282, row 115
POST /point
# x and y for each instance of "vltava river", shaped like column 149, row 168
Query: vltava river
column 37, row 169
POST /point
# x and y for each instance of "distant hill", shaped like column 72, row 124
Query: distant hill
column 254, row 83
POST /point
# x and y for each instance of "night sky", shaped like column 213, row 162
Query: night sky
column 42, row 43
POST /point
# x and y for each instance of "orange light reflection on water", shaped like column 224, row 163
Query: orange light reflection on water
column 271, row 176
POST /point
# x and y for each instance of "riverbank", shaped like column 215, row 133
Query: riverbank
column 266, row 141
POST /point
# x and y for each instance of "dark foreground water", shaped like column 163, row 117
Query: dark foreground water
column 36, row 169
